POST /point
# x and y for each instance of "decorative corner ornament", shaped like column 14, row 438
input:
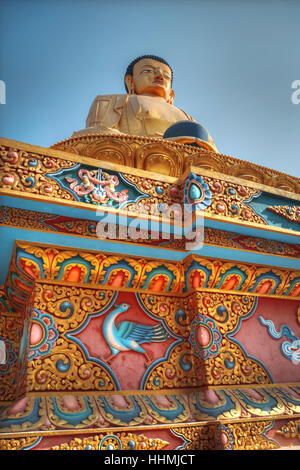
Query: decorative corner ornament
column 204, row 337
column 94, row 186
column 291, row 213
column 197, row 192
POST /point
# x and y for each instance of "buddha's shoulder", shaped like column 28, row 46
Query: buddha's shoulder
column 113, row 97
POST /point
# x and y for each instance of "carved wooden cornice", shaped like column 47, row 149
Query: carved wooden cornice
column 172, row 159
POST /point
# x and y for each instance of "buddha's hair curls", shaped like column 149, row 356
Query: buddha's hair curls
column 129, row 70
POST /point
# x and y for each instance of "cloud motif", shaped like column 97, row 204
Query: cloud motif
column 290, row 349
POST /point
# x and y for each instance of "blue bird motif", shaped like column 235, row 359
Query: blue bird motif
column 128, row 335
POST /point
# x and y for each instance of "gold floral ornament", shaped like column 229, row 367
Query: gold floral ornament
column 117, row 441
column 290, row 430
column 233, row 436
column 291, row 213
column 70, row 305
column 197, row 437
column 225, row 309
column 67, row 369
column 177, row 371
column 252, row 435
column 18, row 443
column 32, row 176
column 176, row 312
column 205, row 355
column 232, row 366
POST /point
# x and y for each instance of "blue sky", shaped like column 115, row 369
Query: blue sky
column 234, row 63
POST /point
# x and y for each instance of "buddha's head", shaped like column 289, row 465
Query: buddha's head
column 150, row 75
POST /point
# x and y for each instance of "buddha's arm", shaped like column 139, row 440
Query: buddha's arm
column 106, row 111
column 210, row 139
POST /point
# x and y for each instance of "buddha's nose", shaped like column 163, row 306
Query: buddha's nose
column 158, row 73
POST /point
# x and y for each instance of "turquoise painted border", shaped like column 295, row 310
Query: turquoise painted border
column 88, row 214
column 8, row 236
column 260, row 203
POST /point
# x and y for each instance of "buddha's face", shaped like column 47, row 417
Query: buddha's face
column 151, row 78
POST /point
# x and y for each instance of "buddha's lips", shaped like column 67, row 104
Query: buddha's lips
column 159, row 81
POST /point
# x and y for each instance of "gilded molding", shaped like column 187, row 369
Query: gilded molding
column 118, row 441
column 291, row 213
column 18, row 443
column 69, row 413
column 89, row 183
column 174, row 158
column 251, row 435
column 237, row 436
column 290, row 430
column 66, row 372
column 52, row 223
column 31, row 262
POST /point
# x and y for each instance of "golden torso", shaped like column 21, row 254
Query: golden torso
column 131, row 114
column 154, row 113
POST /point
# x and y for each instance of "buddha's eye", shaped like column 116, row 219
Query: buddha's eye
column 147, row 70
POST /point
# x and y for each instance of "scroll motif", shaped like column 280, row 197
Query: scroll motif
column 291, row 213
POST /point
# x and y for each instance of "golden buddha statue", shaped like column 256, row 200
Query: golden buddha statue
column 146, row 110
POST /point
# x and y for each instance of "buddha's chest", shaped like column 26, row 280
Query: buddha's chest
column 157, row 108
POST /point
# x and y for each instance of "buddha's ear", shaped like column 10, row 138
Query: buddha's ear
column 171, row 97
column 129, row 83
